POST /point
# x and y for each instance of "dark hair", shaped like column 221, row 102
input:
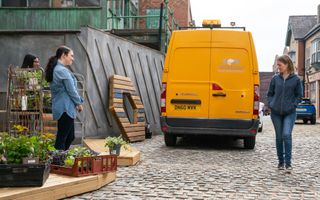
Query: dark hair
column 287, row 61
column 53, row 62
column 28, row 61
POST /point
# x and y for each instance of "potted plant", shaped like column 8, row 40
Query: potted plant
column 114, row 144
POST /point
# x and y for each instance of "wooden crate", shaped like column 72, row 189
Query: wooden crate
column 120, row 86
column 49, row 125
column 58, row 187
column 126, row 158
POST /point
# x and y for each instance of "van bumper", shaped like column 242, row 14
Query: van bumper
column 223, row 127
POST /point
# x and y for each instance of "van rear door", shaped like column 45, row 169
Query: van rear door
column 188, row 81
column 231, row 83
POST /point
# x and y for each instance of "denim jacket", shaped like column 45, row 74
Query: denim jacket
column 284, row 95
column 64, row 92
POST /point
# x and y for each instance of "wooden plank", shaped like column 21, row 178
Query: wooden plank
column 58, row 186
column 128, row 125
column 124, row 120
column 123, row 78
column 134, row 129
column 136, row 139
column 127, row 157
column 135, row 134
column 123, row 87
column 116, row 100
column 125, row 83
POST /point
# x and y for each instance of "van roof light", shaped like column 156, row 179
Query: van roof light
column 211, row 23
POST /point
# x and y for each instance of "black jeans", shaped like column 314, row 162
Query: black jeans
column 65, row 134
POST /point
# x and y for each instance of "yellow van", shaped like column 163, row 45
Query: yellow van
column 210, row 85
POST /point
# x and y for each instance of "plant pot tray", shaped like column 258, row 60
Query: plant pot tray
column 59, row 187
column 20, row 175
column 127, row 157
column 88, row 166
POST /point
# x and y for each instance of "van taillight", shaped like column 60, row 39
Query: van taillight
column 256, row 99
column 163, row 97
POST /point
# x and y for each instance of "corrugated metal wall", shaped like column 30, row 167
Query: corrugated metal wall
column 98, row 55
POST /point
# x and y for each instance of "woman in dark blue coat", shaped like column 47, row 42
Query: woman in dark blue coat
column 285, row 93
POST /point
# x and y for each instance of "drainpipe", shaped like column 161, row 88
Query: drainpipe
column 160, row 26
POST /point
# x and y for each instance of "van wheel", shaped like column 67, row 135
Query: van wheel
column 305, row 121
column 249, row 142
column 170, row 140
column 313, row 120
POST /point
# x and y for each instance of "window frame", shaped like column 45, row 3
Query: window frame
column 315, row 51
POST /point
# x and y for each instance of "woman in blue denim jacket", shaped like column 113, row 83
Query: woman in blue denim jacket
column 285, row 92
column 65, row 98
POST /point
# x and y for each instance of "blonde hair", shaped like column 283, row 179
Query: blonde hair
column 287, row 61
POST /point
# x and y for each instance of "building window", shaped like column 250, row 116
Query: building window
column 153, row 22
column 315, row 51
column 39, row 3
column 87, row 3
column 46, row 3
column 14, row 3
column 116, row 7
column 292, row 55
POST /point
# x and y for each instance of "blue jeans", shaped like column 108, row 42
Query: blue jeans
column 283, row 125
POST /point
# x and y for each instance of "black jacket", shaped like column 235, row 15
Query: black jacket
column 284, row 95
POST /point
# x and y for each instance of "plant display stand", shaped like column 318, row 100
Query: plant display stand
column 59, row 187
column 25, row 99
column 127, row 157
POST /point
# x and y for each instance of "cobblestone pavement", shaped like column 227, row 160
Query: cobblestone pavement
column 219, row 168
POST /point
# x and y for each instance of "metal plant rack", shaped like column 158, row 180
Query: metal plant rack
column 24, row 100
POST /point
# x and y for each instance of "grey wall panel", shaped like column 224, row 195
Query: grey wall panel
column 15, row 46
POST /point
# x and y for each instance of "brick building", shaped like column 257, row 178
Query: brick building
column 181, row 11
column 298, row 26
column 312, row 62
column 265, row 78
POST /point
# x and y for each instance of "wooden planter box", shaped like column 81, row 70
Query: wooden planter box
column 88, row 166
column 21, row 175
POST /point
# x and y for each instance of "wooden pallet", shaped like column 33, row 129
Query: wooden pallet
column 120, row 86
column 127, row 157
column 58, row 187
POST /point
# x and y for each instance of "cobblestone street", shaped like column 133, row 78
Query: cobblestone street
column 219, row 168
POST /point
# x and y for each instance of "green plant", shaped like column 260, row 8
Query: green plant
column 18, row 148
column 19, row 128
column 14, row 149
column 75, row 152
column 111, row 142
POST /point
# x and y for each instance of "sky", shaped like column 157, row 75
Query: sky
column 266, row 19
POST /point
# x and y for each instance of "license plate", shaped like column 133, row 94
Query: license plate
column 301, row 109
column 186, row 107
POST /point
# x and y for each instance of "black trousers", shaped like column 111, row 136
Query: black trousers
column 65, row 134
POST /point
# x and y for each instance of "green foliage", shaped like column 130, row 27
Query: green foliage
column 75, row 152
column 111, row 142
column 14, row 149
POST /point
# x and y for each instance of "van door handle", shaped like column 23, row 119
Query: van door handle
column 219, row 94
